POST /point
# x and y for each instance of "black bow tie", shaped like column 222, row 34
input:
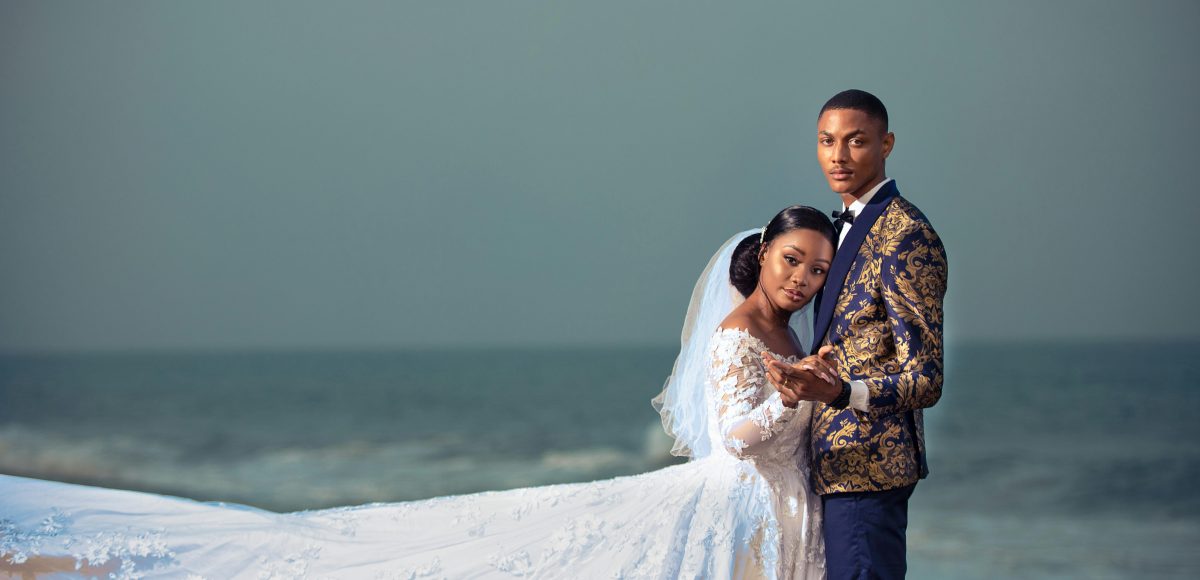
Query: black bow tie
column 842, row 217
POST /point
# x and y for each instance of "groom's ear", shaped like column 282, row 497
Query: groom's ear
column 889, row 141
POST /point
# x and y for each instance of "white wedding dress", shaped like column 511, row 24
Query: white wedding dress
column 740, row 509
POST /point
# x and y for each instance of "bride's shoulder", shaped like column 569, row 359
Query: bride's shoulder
column 734, row 338
column 737, row 337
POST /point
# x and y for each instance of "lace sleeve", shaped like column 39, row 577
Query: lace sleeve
column 748, row 415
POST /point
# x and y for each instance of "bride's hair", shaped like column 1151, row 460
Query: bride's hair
column 744, row 268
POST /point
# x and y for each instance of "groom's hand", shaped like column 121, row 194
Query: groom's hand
column 813, row 378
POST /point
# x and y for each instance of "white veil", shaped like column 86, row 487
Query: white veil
column 682, row 402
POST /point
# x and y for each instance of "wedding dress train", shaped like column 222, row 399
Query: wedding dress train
column 743, row 510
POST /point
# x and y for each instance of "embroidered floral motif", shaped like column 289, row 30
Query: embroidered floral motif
column 887, row 332
column 747, row 504
column 125, row 554
column 517, row 564
column 753, row 424
column 293, row 565
column 749, row 410
column 431, row 569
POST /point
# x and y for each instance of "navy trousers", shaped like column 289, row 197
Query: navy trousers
column 864, row 534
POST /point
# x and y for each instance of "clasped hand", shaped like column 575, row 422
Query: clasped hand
column 812, row 378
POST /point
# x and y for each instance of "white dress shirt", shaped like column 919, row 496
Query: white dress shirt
column 858, row 205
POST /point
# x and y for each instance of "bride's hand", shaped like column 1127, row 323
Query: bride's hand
column 816, row 364
column 788, row 396
column 812, row 378
column 826, row 370
column 786, row 379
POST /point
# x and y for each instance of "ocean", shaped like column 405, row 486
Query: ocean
column 1048, row 460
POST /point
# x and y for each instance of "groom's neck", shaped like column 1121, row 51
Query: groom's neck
column 853, row 196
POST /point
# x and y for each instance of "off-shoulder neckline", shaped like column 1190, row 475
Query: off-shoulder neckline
column 760, row 341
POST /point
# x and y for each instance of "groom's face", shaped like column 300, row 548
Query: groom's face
column 852, row 147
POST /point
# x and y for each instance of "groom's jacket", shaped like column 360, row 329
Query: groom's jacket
column 881, row 309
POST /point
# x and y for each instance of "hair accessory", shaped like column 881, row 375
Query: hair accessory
column 762, row 234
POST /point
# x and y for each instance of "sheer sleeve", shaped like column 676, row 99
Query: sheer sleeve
column 749, row 411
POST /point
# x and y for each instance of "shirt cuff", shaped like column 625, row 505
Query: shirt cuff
column 860, row 396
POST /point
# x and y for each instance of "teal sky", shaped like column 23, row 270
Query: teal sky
column 362, row 174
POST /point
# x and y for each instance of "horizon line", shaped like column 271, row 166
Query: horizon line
column 8, row 351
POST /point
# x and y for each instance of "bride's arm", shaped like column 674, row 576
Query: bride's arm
column 747, row 420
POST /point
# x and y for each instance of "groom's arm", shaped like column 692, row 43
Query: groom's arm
column 914, row 273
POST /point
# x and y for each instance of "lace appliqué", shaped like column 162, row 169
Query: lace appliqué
column 121, row 555
column 749, row 411
column 753, row 424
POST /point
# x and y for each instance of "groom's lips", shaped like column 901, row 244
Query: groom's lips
column 841, row 173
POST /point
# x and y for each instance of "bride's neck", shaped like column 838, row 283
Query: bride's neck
column 768, row 314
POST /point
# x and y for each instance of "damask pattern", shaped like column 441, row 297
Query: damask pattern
column 887, row 332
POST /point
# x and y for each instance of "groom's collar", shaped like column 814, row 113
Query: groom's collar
column 864, row 199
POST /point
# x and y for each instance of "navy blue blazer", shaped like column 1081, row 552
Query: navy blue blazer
column 881, row 309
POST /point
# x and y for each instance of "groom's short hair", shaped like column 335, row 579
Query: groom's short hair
column 859, row 101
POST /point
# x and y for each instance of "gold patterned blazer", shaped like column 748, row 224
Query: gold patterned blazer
column 881, row 309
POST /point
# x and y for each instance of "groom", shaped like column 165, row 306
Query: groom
column 880, row 317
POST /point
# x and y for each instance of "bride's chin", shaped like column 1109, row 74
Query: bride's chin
column 790, row 304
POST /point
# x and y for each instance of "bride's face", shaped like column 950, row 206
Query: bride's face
column 794, row 266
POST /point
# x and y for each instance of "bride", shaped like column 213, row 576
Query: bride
column 739, row 508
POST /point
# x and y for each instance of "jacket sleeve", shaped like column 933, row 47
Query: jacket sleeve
column 913, row 273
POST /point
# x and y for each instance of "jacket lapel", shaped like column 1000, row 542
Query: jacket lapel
column 845, row 258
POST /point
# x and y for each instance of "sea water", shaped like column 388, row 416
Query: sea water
column 1049, row 460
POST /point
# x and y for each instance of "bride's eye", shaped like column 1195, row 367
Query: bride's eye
column 790, row 260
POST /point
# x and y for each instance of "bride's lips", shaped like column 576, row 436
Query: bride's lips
column 794, row 295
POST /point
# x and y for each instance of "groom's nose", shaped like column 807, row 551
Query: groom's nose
column 841, row 153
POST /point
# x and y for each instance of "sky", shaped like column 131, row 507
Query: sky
column 275, row 175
